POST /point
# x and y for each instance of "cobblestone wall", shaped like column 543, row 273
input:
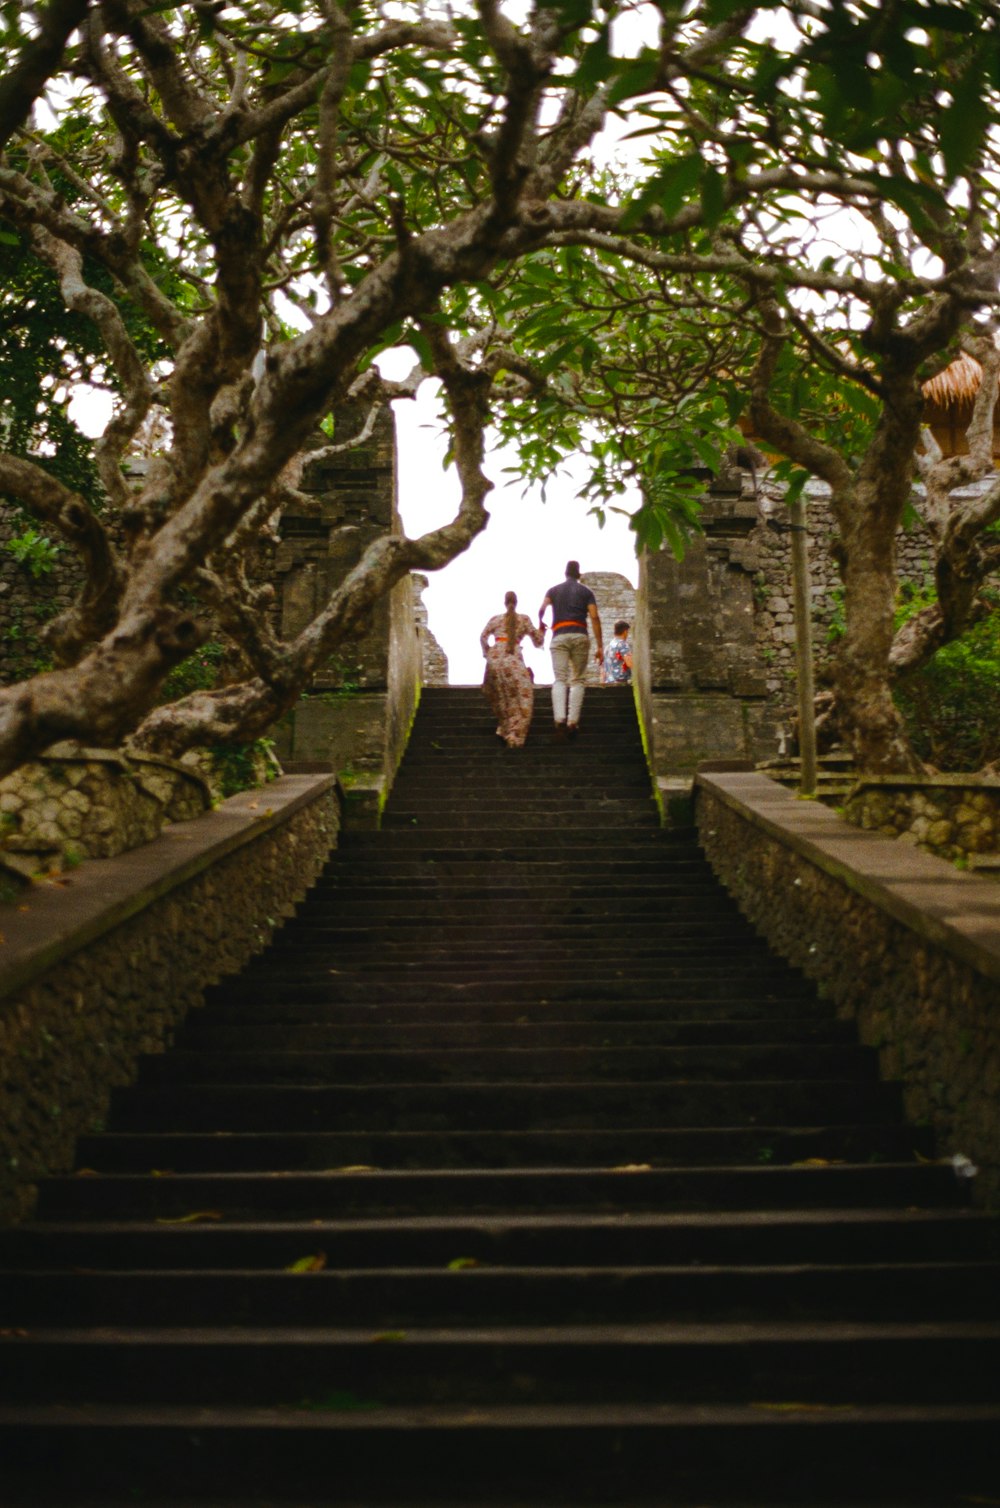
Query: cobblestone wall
column 78, row 804
column 923, row 991
column 953, row 816
column 27, row 602
column 96, row 974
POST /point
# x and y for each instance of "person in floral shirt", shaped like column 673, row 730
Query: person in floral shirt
column 616, row 667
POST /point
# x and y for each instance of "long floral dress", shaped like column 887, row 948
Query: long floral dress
column 508, row 682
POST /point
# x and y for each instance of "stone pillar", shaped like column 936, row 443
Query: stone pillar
column 433, row 660
column 702, row 686
column 356, row 716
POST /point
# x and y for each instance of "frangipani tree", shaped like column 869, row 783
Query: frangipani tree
column 816, row 233
column 235, row 171
column 274, row 194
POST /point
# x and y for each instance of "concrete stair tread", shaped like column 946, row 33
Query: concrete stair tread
column 483, row 1273
column 527, row 1337
column 786, row 1220
column 778, row 1415
column 601, row 1194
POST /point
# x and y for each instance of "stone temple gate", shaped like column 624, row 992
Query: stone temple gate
column 699, row 673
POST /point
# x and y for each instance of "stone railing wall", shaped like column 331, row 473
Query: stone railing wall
column 903, row 944
column 76, row 803
column 101, row 966
column 953, row 816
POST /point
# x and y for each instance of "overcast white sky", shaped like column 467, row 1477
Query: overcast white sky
column 524, row 547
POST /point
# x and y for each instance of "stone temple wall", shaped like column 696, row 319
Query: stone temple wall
column 715, row 647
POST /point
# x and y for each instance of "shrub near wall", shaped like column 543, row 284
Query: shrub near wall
column 101, row 969
column 903, row 944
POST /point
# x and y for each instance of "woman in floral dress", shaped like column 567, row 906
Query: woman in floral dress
column 508, row 682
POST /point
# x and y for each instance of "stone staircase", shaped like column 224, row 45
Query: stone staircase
column 515, row 1172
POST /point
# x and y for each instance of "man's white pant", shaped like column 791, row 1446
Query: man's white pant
column 570, row 655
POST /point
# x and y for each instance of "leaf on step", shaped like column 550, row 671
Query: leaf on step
column 189, row 1219
column 315, row 1263
column 803, row 1408
column 819, row 1162
column 459, row 1263
column 354, row 1167
column 633, row 1167
column 389, row 1336
column 86, row 1173
column 161, row 1172
column 14, row 1334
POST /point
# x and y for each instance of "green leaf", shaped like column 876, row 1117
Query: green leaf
column 713, row 196
column 635, row 78
column 596, row 65
column 421, row 345
column 964, row 123
column 668, row 188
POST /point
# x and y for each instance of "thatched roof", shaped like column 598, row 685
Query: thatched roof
column 956, row 386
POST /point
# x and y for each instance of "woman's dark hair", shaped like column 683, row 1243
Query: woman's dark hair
column 510, row 621
column 621, row 628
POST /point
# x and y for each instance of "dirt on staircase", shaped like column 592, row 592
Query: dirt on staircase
column 517, row 1171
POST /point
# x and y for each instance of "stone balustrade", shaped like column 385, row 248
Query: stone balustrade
column 100, row 965
column 907, row 946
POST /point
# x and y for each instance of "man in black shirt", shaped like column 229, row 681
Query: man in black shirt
column 574, row 608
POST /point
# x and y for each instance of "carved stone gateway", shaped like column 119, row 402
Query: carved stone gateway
column 357, row 715
column 702, row 686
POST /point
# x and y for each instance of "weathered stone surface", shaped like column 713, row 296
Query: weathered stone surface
column 914, row 993
column 104, row 802
column 379, row 669
column 75, row 1027
column 952, row 816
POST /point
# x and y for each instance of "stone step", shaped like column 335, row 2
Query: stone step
column 396, row 1297
column 413, row 910
column 501, row 1105
column 273, row 1151
column 204, row 1031
column 523, row 1065
column 236, row 1003
column 251, row 1197
column 693, row 994
column 492, row 931
column 603, row 1204
column 830, row 1362
column 501, row 845
column 732, row 1237
column 517, row 819
column 664, row 1454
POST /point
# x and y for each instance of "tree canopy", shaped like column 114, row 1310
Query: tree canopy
column 245, row 203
